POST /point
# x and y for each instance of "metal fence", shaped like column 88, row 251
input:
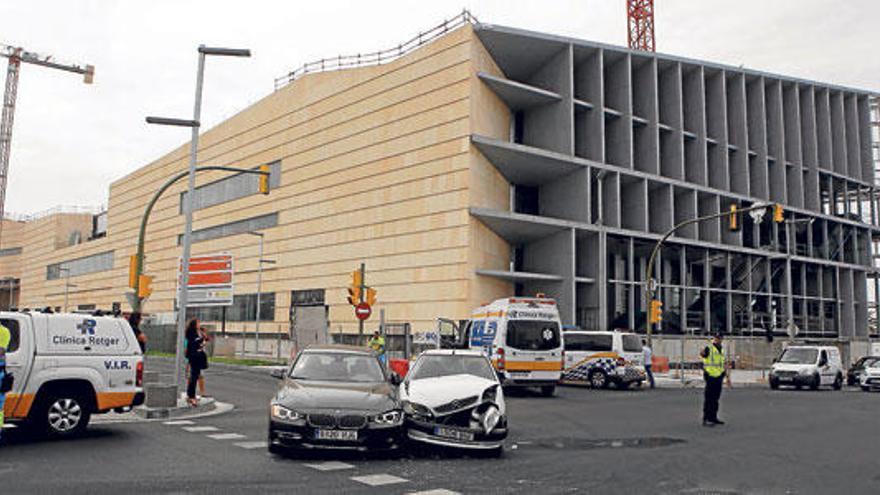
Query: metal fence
column 380, row 57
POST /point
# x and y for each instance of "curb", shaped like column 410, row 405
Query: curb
column 258, row 369
column 216, row 409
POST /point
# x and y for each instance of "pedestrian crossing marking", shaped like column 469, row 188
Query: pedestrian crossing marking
column 330, row 466
column 180, row 422
column 438, row 491
column 379, row 479
column 200, row 429
column 227, row 436
column 252, row 445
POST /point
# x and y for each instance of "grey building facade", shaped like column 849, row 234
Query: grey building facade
column 609, row 148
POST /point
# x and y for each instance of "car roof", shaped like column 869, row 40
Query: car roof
column 595, row 332
column 338, row 348
column 452, row 352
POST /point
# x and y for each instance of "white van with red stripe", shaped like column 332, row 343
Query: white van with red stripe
column 68, row 367
column 523, row 337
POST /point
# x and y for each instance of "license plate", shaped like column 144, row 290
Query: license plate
column 344, row 435
column 464, row 436
column 520, row 374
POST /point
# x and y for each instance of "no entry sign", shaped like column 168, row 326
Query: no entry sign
column 363, row 311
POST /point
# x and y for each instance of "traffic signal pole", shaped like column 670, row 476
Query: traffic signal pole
column 363, row 288
column 775, row 210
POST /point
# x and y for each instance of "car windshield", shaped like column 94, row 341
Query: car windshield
column 433, row 366
column 533, row 335
column 337, row 367
column 632, row 343
column 872, row 363
column 799, row 356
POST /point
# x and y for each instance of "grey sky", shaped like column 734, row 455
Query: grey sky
column 71, row 140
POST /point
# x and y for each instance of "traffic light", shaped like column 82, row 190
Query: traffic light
column 354, row 290
column 370, row 296
column 132, row 271
column 144, row 290
column 264, row 179
column 777, row 213
column 656, row 311
column 734, row 223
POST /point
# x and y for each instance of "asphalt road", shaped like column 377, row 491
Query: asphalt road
column 581, row 441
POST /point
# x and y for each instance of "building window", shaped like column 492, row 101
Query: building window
column 10, row 251
column 233, row 228
column 231, row 188
column 244, row 308
column 81, row 266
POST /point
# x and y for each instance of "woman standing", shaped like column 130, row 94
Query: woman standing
column 198, row 360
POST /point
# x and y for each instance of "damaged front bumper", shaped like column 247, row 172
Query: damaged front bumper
column 445, row 435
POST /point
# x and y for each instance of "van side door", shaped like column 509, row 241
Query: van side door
column 19, row 359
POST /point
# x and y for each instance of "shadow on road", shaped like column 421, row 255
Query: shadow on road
column 22, row 436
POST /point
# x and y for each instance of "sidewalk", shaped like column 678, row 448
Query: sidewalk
column 694, row 379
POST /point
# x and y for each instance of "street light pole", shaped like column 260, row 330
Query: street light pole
column 260, row 262
column 67, row 286
column 194, row 125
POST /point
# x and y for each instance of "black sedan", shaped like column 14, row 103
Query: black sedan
column 854, row 374
column 335, row 397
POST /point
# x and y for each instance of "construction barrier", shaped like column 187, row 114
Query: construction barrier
column 659, row 364
column 399, row 366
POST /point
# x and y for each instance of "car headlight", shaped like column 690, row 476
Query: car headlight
column 285, row 414
column 415, row 409
column 490, row 419
column 387, row 418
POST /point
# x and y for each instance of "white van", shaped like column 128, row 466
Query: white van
column 603, row 358
column 522, row 337
column 807, row 366
column 68, row 367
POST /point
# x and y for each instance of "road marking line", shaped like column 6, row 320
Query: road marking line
column 179, row 422
column 330, row 466
column 200, row 429
column 227, row 436
column 438, row 491
column 252, row 445
column 379, row 479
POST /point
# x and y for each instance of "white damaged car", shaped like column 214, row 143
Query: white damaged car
column 452, row 398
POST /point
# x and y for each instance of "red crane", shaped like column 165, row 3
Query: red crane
column 640, row 21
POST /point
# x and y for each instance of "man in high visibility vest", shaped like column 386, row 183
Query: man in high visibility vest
column 714, row 372
column 377, row 344
column 5, row 338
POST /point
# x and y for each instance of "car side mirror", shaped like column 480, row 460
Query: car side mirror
column 279, row 373
column 395, row 379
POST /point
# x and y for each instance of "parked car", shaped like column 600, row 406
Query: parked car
column 808, row 366
column 871, row 377
column 600, row 359
column 69, row 367
column 335, row 397
column 854, row 373
column 453, row 398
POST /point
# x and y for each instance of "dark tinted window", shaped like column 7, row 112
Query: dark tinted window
column 632, row 343
column 533, row 335
column 15, row 333
column 590, row 342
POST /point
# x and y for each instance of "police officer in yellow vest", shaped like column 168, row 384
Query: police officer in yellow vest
column 377, row 344
column 5, row 338
column 714, row 373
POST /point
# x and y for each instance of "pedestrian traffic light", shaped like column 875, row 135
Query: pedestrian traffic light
column 144, row 289
column 734, row 224
column 264, row 179
column 132, row 271
column 354, row 290
column 777, row 213
column 370, row 296
column 656, row 312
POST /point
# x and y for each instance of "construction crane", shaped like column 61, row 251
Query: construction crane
column 16, row 56
column 640, row 22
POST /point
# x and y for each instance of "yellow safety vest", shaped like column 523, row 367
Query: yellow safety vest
column 378, row 345
column 5, row 336
column 713, row 364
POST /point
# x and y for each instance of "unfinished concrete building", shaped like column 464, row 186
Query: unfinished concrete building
column 609, row 148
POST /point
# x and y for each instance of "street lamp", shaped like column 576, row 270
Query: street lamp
column 194, row 125
column 260, row 262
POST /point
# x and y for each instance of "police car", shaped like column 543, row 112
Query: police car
column 68, row 367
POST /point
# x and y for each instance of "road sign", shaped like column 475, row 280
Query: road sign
column 363, row 311
column 210, row 280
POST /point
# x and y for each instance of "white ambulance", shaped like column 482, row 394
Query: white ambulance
column 523, row 338
column 68, row 367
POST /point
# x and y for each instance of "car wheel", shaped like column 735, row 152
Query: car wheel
column 64, row 415
column 866, row 389
column 598, row 379
column 774, row 384
column 838, row 383
column 548, row 390
column 816, row 381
